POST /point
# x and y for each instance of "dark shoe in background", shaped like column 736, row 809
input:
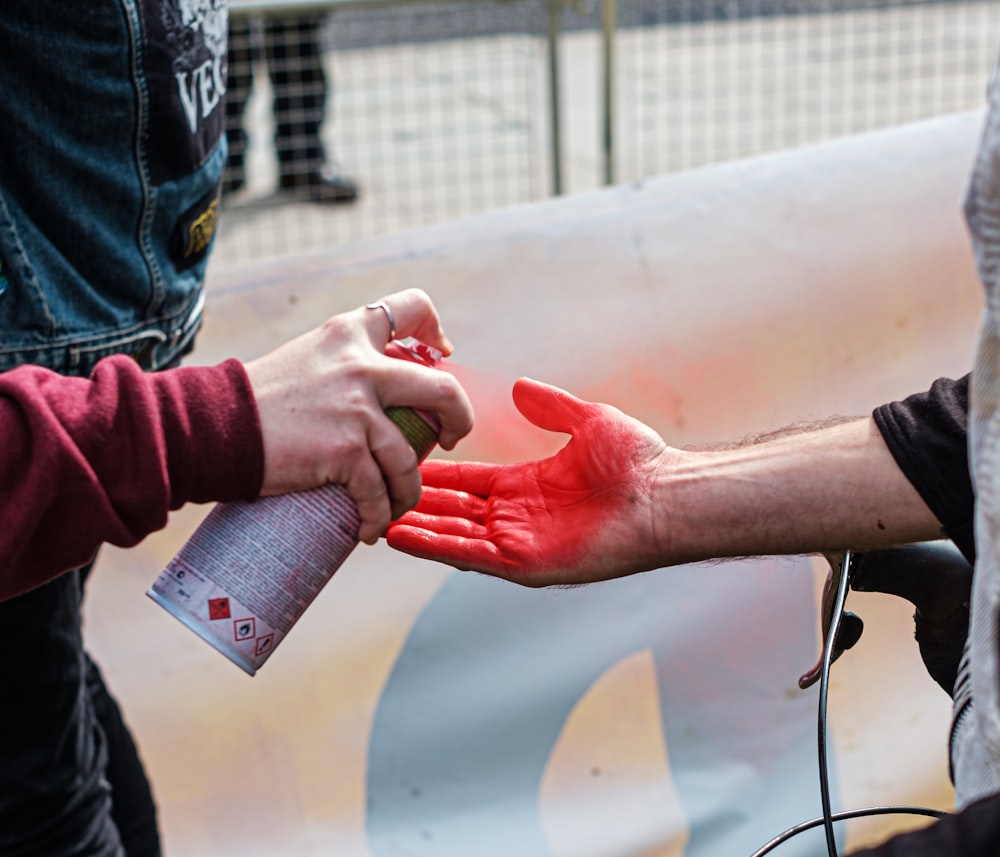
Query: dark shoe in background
column 324, row 185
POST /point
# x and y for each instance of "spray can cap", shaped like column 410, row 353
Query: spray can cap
column 414, row 350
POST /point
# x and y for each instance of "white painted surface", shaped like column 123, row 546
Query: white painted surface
column 422, row 712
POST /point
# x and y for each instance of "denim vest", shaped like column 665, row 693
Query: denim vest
column 111, row 150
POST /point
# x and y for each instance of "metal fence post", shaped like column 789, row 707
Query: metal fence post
column 608, row 27
column 553, row 10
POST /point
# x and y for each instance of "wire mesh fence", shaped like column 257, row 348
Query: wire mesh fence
column 695, row 90
column 431, row 111
column 429, row 123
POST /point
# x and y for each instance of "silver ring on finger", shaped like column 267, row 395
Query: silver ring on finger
column 382, row 305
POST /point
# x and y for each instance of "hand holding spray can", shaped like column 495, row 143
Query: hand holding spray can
column 250, row 570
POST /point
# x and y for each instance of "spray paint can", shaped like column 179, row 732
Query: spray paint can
column 250, row 570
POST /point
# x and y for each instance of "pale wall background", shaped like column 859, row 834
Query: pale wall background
column 419, row 711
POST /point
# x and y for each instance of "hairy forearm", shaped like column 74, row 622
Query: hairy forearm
column 806, row 491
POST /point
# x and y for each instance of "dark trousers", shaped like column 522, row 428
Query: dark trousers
column 71, row 780
column 294, row 59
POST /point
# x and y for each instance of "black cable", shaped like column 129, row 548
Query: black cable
column 824, row 689
column 844, row 816
column 828, row 818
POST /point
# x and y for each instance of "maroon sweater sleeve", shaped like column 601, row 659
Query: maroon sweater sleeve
column 105, row 459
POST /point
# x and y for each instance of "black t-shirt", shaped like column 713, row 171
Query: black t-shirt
column 927, row 434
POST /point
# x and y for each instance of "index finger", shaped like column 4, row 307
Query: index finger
column 470, row 477
column 413, row 314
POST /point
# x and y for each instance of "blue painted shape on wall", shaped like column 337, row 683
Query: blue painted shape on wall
column 490, row 672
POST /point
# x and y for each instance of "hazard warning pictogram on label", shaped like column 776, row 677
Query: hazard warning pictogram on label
column 264, row 644
column 244, row 629
column 218, row 608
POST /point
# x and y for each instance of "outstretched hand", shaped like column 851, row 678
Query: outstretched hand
column 585, row 514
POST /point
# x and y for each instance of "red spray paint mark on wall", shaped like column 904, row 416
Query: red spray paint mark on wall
column 500, row 432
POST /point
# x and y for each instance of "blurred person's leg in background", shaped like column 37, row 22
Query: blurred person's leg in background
column 239, row 82
column 293, row 50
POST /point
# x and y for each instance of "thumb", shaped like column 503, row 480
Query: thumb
column 549, row 407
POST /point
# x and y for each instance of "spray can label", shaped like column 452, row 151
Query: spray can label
column 250, row 570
